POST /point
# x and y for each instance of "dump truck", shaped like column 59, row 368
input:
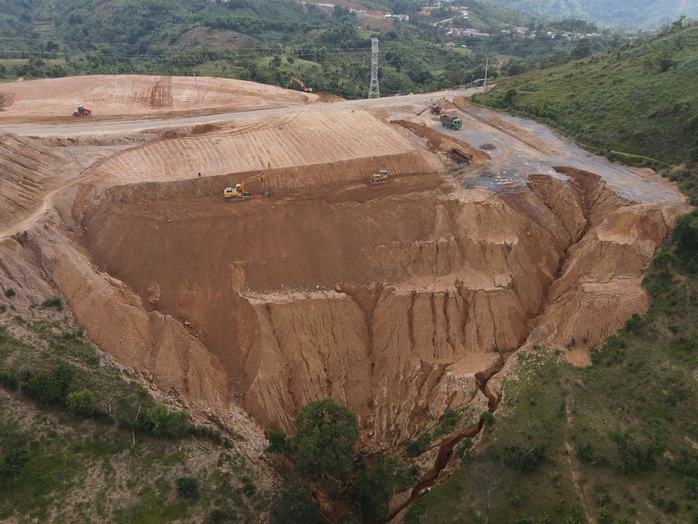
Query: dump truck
column 379, row 178
column 451, row 122
column 239, row 193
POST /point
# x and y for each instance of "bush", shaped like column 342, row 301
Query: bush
column 8, row 380
column 165, row 423
column 51, row 387
column 188, row 488
column 522, row 458
column 9, row 292
column 13, row 463
column 81, row 403
column 278, row 442
column 418, row 446
column 52, row 302
column 587, row 454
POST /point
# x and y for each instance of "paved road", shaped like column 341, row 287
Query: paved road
column 144, row 125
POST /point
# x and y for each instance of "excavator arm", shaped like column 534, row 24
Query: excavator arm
column 295, row 79
column 237, row 193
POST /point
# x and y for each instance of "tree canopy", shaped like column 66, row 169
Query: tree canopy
column 325, row 439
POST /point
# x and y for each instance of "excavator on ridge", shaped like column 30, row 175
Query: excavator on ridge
column 239, row 193
column 300, row 83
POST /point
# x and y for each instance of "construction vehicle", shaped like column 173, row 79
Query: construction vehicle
column 300, row 83
column 238, row 193
column 82, row 111
column 451, row 122
column 434, row 109
column 379, row 178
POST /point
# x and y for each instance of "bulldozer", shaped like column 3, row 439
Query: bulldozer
column 379, row 178
column 295, row 79
column 82, row 111
column 239, row 193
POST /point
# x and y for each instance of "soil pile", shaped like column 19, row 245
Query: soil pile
column 134, row 97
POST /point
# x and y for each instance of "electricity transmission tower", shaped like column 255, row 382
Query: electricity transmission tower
column 373, row 90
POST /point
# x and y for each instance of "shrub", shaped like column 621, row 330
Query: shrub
column 165, row 423
column 81, row 403
column 13, row 463
column 587, row 454
column 522, row 458
column 448, row 422
column 52, row 302
column 9, row 292
column 8, row 380
column 634, row 323
column 188, row 488
column 278, row 442
column 50, row 387
column 420, row 445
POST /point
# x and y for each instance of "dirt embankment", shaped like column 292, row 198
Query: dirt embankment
column 389, row 299
column 27, row 171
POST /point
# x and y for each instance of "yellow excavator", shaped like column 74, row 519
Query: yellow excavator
column 238, row 193
column 300, row 83
column 379, row 178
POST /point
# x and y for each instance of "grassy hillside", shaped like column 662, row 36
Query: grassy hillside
column 639, row 99
column 82, row 440
column 616, row 442
column 648, row 13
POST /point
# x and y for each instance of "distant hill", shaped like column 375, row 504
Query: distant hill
column 645, row 13
column 640, row 99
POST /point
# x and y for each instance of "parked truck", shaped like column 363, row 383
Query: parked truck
column 451, row 122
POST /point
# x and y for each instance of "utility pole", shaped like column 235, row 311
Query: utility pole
column 198, row 95
column 374, row 90
column 487, row 64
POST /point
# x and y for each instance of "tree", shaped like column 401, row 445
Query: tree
column 685, row 236
column 325, row 439
column 374, row 488
column 296, row 505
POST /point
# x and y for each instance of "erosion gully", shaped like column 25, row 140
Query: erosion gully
column 446, row 447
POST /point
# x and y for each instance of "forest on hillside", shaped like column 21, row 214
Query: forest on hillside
column 267, row 42
column 646, row 13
